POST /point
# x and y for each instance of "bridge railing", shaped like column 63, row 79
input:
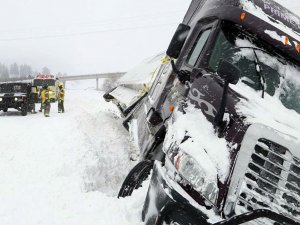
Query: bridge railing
column 64, row 79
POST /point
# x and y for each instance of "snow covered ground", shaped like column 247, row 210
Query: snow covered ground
column 67, row 169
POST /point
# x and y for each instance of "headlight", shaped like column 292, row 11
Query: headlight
column 196, row 176
column 0, row 99
column 18, row 99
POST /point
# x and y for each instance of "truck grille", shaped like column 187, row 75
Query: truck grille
column 8, row 101
column 272, row 180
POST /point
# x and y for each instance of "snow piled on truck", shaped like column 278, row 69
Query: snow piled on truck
column 136, row 82
column 268, row 111
column 203, row 144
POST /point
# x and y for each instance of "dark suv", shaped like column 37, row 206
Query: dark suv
column 18, row 95
column 220, row 126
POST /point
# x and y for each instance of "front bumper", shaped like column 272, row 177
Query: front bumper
column 167, row 202
column 10, row 103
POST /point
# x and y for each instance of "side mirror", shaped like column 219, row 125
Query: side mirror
column 178, row 40
column 229, row 72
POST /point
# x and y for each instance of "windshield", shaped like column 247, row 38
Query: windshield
column 43, row 82
column 13, row 88
column 262, row 70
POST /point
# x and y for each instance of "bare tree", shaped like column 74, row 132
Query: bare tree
column 14, row 70
column 46, row 71
column 25, row 70
column 4, row 71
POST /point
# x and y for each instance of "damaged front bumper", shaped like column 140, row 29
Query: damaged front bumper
column 168, row 203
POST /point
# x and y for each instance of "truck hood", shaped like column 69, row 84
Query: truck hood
column 268, row 111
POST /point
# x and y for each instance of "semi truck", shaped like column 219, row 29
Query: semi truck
column 220, row 126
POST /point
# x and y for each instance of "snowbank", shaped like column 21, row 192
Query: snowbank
column 67, row 169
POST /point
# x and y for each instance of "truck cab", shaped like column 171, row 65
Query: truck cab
column 235, row 62
column 18, row 95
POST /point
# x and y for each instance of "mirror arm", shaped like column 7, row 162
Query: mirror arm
column 183, row 75
column 220, row 114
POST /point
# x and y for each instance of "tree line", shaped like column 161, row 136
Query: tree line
column 22, row 71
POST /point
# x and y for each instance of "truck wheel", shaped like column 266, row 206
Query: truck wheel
column 31, row 108
column 135, row 178
column 5, row 110
column 24, row 110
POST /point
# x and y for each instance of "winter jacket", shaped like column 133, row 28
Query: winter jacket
column 61, row 95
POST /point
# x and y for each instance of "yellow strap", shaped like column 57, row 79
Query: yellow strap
column 166, row 60
column 146, row 88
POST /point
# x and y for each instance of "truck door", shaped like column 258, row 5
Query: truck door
column 152, row 129
column 165, row 89
column 192, row 61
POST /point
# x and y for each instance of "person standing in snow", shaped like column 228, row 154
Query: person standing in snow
column 61, row 98
column 42, row 96
column 46, row 101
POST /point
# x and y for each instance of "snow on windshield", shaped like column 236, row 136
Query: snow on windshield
column 270, row 110
column 282, row 79
column 203, row 144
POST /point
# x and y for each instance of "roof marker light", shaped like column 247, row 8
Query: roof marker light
column 243, row 16
column 286, row 40
column 171, row 108
column 298, row 47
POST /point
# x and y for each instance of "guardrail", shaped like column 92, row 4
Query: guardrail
column 92, row 76
column 74, row 77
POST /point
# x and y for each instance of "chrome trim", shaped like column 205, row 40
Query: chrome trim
column 266, row 174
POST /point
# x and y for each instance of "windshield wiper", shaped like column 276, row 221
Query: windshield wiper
column 258, row 69
column 260, row 75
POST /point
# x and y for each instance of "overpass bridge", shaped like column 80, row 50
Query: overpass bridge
column 64, row 79
column 91, row 77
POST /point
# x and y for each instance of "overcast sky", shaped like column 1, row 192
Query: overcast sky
column 89, row 36
column 86, row 36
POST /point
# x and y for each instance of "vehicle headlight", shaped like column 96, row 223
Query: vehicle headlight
column 18, row 99
column 0, row 99
column 196, row 175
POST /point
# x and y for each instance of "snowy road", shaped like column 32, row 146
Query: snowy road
column 66, row 169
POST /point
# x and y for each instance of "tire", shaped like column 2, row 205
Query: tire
column 31, row 108
column 24, row 110
column 5, row 110
column 135, row 178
